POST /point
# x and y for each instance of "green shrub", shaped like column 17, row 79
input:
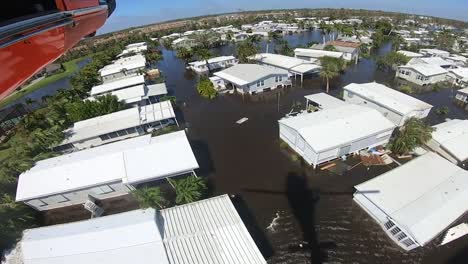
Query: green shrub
column 406, row 89
column 283, row 145
column 206, row 88
column 443, row 110
column 164, row 130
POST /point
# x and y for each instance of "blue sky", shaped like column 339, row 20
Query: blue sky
column 140, row 12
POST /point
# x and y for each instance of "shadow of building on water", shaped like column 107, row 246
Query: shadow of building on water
column 252, row 226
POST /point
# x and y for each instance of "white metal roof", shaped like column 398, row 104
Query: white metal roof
column 124, row 119
column 134, row 45
column 325, row 101
column 435, row 52
column 242, row 74
column 453, row 137
column 426, row 69
column 424, row 196
column 208, row 232
column 130, row 161
column 388, row 97
column 131, row 237
column 118, row 84
column 156, row 89
column 129, row 63
column 410, row 54
column 464, row 91
column 324, row 129
column 313, row 53
column 286, row 62
column 204, row 232
column 131, row 94
column 461, row 73
column 212, row 60
column 436, row 61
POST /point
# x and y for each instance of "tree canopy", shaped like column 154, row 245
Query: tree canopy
column 391, row 60
column 413, row 134
column 331, row 67
column 189, row 189
column 103, row 105
column 206, row 88
column 246, row 49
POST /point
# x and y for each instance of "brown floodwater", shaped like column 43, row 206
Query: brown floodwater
column 317, row 220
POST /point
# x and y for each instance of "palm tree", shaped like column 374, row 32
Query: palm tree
column 413, row 134
column 188, row 190
column 184, row 54
column 330, row 69
column 150, row 197
column 246, row 49
column 204, row 54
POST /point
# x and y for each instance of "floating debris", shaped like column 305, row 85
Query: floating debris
column 242, row 120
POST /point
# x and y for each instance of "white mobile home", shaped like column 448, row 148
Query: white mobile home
column 422, row 74
column 332, row 133
column 434, row 53
column 123, row 67
column 450, row 140
column 417, row 201
column 458, row 60
column 458, row 77
column 323, row 101
column 462, row 96
column 183, row 42
column 253, row 78
column 313, row 54
column 394, row 105
column 202, row 232
column 434, row 61
column 293, row 65
column 410, row 54
column 351, row 51
column 106, row 171
column 213, row 64
column 131, row 90
column 117, row 126
column 134, row 48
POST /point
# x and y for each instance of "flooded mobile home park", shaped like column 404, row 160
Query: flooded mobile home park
column 310, row 213
column 295, row 213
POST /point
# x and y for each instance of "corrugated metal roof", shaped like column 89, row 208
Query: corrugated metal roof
column 424, row 196
column 204, row 232
column 208, row 232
